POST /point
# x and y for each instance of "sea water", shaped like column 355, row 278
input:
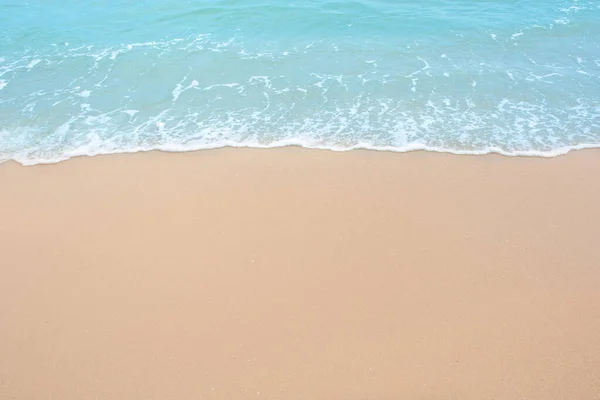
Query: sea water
column 517, row 77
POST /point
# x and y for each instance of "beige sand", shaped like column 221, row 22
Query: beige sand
column 296, row 274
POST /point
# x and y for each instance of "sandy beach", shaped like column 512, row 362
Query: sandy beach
column 299, row 274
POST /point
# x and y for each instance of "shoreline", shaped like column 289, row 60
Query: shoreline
column 557, row 152
column 297, row 273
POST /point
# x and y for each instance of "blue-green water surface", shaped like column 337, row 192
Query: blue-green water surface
column 518, row 77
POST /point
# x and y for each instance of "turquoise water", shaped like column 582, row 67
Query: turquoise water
column 462, row 76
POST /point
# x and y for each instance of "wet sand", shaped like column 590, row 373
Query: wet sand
column 298, row 274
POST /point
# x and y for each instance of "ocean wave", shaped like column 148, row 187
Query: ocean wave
column 27, row 160
column 385, row 76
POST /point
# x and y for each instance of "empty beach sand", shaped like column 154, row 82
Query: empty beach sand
column 299, row 274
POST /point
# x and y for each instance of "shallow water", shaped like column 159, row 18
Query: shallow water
column 84, row 78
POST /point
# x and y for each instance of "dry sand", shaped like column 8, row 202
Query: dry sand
column 296, row 274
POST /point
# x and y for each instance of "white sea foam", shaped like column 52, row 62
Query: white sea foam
column 179, row 89
column 131, row 113
column 425, row 68
column 33, row 63
column 228, row 85
column 96, row 148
